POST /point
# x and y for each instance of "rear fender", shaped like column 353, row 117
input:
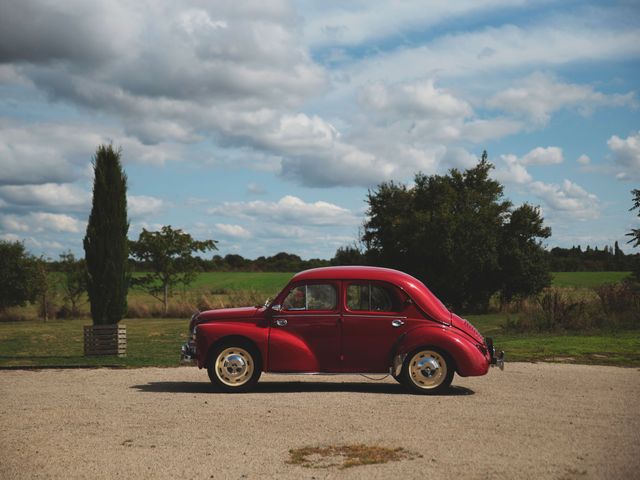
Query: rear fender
column 468, row 358
column 211, row 335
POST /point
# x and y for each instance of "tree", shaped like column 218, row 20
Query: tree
column 458, row 234
column 635, row 232
column 44, row 286
column 168, row 254
column 16, row 275
column 105, row 244
column 348, row 255
column 74, row 281
column 524, row 266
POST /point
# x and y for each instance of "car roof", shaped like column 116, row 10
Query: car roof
column 417, row 290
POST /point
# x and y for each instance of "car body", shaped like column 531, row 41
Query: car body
column 333, row 320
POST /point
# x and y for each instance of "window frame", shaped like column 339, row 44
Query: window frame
column 306, row 284
column 389, row 288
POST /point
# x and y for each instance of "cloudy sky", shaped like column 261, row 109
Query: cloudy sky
column 263, row 124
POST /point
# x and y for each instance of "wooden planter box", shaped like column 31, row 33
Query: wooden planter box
column 105, row 340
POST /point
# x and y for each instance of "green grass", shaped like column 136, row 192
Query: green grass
column 601, row 348
column 586, row 279
column 150, row 342
column 156, row 342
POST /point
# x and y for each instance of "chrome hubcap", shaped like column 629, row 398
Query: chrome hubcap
column 234, row 366
column 427, row 369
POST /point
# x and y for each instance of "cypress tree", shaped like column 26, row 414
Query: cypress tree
column 105, row 244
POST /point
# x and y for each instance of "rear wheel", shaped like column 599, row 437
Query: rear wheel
column 427, row 371
column 234, row 368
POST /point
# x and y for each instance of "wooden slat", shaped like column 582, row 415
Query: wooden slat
column 105, row 340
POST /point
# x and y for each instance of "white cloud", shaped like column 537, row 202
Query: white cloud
column 61, row 152
column 47, row 195
column 41, row 222
column 139, row 205
column 421, row 98
column 289, row 210
column 255, row 189
column 233, row 231
column 56, row 222
column 541, row 94
column 626, row 155
column 494, row 50
column 356, row 22
column 512, row 171
column 568, row 200
column 584, row 159
column 543, row 156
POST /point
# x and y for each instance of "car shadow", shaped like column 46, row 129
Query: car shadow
column 294, row 387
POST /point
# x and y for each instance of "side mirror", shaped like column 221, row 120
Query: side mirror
column 276, row 308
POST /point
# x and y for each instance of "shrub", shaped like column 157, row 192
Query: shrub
column 610, row 306
column 620, row 304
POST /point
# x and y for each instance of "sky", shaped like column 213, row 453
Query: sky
column 263, row 125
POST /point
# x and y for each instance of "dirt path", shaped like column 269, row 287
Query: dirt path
column 530, row 421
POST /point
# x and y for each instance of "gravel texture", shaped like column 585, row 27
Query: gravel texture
column 530, row 421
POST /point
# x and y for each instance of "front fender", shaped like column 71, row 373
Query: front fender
column 470, row 360
column 211, row 333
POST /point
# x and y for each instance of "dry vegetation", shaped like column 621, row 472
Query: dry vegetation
column 346, row 456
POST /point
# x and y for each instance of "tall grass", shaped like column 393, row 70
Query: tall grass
column 609, row 306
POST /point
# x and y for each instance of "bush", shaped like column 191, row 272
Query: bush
column 620, row 304
column 610, row 306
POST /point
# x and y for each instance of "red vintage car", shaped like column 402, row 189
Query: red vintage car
column 341, row 320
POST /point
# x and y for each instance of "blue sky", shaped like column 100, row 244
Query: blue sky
column 263, row 124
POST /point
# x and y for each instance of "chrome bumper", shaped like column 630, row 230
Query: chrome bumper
column 188, row 354
column 496, row 358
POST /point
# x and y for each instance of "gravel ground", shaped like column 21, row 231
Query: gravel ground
column 530, row 421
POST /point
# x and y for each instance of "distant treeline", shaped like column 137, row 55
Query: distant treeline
column 573, row 259
column 280, row 262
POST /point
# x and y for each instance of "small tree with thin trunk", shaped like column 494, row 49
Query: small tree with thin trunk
column 168, row 254
column 106, row 245
column 74, row 281
column 635, row 232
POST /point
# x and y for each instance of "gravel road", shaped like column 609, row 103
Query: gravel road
column 530, row 421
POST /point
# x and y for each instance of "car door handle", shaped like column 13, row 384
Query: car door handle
column 397, row 323
column 281, row 322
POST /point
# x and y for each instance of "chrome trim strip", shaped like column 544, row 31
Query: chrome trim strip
column 377, row 314
column 280, row 315
column 326, row 373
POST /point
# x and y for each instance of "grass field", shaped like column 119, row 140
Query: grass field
column 586, row 279
column 157, row 341
column 268, row 283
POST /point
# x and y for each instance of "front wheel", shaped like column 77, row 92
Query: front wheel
column 427, row 371
column 234, row 368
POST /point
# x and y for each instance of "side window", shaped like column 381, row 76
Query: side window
column 311, row 297
column 369, row 297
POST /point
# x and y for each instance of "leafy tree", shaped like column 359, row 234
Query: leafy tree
column 44, row 286
column 524, row 266
column 349, row 255
column 168, row 254
column 16, row 275
column 74, row 281
column 635, row 232
column 105, row 244
column 459, row 234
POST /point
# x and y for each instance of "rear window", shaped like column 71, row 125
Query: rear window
column 369, row 297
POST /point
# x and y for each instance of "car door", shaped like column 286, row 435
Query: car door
column 305, row 333
column 372, row 321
